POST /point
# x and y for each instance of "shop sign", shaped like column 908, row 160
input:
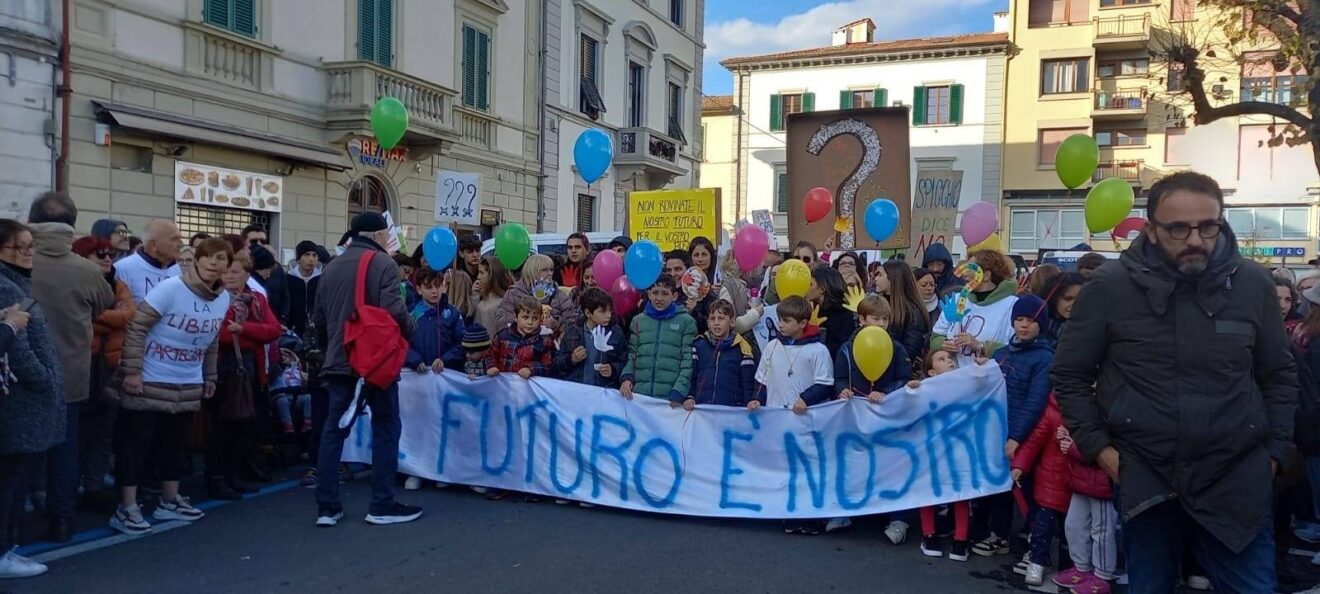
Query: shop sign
column 369, row 152
column 1272, row 252
column 195, row 183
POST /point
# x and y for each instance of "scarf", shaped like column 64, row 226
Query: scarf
column 931, row 304
column 19, row 270
column 667, row 313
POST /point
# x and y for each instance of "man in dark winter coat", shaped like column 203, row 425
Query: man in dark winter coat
column 304, row 277
column 1174, row 376
column 937, row 260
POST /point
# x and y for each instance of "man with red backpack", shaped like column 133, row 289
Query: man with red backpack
column 361, row 319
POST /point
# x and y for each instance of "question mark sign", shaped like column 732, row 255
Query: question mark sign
column 871, row 151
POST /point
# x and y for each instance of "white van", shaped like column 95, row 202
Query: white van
column 552, row 244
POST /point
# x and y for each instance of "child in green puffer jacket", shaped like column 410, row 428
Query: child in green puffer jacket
column 660, row 346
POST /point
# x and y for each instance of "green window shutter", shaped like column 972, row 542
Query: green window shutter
column 367, row 30
column 955, row 104
column 808, row 102
column 245, row 17
column 483, row 71
column 776, row 113
column 845, row 99
column 918, row 106
column 385, row 32
column 216, row 12
column 469, row 66
column 881, row 97
column 781, row 192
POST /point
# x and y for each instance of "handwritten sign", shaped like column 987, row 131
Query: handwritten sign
column 671, row 218
column 941, row 443
column 458, row 197
column 934, row 210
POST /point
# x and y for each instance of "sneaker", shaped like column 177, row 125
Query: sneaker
column 398, row 514
column 991, row 546
column 1035, row 574
column 479, row 490
column 896, row 532
column 930, row 547
column 412, row 484
column 129, row 521
column 585, row 505
column 287, row 428
column 1309, row 534
column 308, row 480
column 327, row 516
column 812, row 527
column 14, row 565
column 1092, row 585
column 837, row 524
column 1071, row 577
column 791, row 527
column 1198, row 582
column 561, row 502
column 441, row 485
column 959, row 550
column 179, row 509
column 1122, row 579
column 1021, row 567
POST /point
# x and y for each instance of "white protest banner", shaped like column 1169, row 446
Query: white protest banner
column 458, row 197
column 941, row 443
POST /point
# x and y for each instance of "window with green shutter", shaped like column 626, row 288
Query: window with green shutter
column 376, row 31
column 918, row 106
column 881, row 97
column 845, row 99
column 776, row 113
column 476, row 68
column 808, row 102
column 955, row 104
column 237, row 16
column 937, row 106
column 781, row 189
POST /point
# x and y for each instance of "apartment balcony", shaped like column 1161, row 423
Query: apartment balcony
column 476, row 128
column 649, row 152
column 1128, row 171
column 1123, row 32
column 355, row 86
column 1120, row 104
column 211, row 52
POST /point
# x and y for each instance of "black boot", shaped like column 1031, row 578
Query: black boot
column 61, row 530
column 239, row 486
column 217, row 488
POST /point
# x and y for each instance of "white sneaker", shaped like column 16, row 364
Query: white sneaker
column 412, row 484
column 836, row 524
column 14, row 565
column 585, row 505
column 130, row 521
column 561, row 502
column 441, row 485
column 479, row 490
column 179, row 509
column 1035, row 574
column 1198, row 582
column 896, row 532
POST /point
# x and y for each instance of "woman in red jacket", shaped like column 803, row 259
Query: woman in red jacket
column 1051, row 487
column 249, row 326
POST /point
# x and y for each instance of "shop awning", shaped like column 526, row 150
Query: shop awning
column 185, row 128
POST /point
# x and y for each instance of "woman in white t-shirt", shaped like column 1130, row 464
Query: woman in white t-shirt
column 988, row 321
column 168, row 367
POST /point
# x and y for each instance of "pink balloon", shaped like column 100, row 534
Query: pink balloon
column 750, row 246
column 607, row 266
column 625, row 296
column 979, row 223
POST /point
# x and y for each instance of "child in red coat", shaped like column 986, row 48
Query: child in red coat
column 1052, row 488
column 1090, row 527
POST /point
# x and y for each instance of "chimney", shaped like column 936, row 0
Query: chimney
column 860, row 31
column 1001, row 22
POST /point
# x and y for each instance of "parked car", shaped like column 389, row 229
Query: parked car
column 552, row 244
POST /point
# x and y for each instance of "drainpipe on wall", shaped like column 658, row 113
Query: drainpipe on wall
column 738, row 114
column 65, row 91
column 540, row 111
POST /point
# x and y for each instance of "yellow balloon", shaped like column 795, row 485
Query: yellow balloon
column 793, row 279
column 873, row 351
column 994, row 242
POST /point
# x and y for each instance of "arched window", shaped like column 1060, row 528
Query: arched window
column 369, row 193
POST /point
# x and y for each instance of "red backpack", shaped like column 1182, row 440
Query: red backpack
column 383, row 348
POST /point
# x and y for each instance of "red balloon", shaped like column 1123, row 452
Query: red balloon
column 625, row 297
column 1129, row 228
column 818, row 204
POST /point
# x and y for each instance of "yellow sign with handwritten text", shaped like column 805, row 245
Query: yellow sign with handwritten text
column 671, row 218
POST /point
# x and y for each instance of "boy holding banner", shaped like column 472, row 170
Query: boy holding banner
column 723, row 364
column 660, row 346
column 592, row 352
column 521, row 348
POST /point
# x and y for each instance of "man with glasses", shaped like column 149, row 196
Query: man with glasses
column 268, row 276
column 114, row 231
column 1173, row 374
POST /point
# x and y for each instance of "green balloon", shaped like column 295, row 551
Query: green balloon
column 1076, row 160
column 512, row 245
column 1108, row 203
column 389, row 120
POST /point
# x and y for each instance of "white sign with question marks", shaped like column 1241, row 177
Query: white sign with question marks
column 458, row 197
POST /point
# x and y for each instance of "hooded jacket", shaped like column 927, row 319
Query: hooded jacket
column 438, row 335
column 723, row 371
column 1026, row 368
column 660, row 352
column 73, row 292
column 562, row 308
column 1050, row 467
column 1188, row 378
column 585, row 372
column 848, row 376
column 335, row 304
column 302, row 297
column 32, row 407
column 989, row 320
column 937, row 252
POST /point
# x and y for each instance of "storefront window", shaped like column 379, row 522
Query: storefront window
column 368, row 193
column 217, row 221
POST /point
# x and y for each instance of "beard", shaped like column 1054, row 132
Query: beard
column 1192, row 261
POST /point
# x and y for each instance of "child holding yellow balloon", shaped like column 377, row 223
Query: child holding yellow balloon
column 871, row 365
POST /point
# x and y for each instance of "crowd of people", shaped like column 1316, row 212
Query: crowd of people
column 1150, row 400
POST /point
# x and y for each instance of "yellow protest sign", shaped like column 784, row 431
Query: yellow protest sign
column 671, row 218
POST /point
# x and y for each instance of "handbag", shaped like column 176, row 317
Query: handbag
column 236, row 392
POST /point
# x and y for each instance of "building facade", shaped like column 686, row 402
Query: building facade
column 956, row 84
column 219, row 113
column 1092, row 67
column 633, row 69
column 719, row 154
column 29, row 69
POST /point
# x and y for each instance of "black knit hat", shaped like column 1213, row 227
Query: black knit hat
column 304, row 246
column 261, row 258
column 476, row 338
column 622, row 241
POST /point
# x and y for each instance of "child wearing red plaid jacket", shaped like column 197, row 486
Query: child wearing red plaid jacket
column 521, row 348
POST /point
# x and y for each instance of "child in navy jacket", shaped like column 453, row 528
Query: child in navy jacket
column 848, row 379
column 723, row 368
column 437, row 341
column 578, row 358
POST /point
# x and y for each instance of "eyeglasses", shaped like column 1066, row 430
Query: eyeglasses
column 104, row 254
column 124, row 233
column 1181, row 231
column 25, row 248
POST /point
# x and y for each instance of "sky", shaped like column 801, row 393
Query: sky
column 753, row 27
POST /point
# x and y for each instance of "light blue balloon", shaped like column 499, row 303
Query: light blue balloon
column 440, row 247
column 881, row 219
column 643, row 264
column 593, row 153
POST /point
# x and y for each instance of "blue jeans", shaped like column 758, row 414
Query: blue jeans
column 1157, row 538
column 63, row 473
column 284, row 406
column 385, row 429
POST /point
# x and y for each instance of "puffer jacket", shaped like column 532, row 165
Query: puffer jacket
column 438, row 335
column 838, row 327
column 1087, row 478
column 108, row 336
column 848, row 376
column 562, row 308
column 32, row 407
column 660, row 353
column 1041, row 456
column 913, row 335
column 723, row 371
column 160, row 397
column 1026, row 368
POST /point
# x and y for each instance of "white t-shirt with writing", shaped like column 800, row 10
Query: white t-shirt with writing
column 176, row 346
column 141, row 276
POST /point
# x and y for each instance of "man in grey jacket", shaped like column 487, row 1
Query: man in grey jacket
column 72, row 291
column 335, row 304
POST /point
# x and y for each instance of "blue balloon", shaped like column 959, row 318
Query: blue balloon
column 881, row 219
column 440, row 247
column 643, row 264
column 593, row 153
